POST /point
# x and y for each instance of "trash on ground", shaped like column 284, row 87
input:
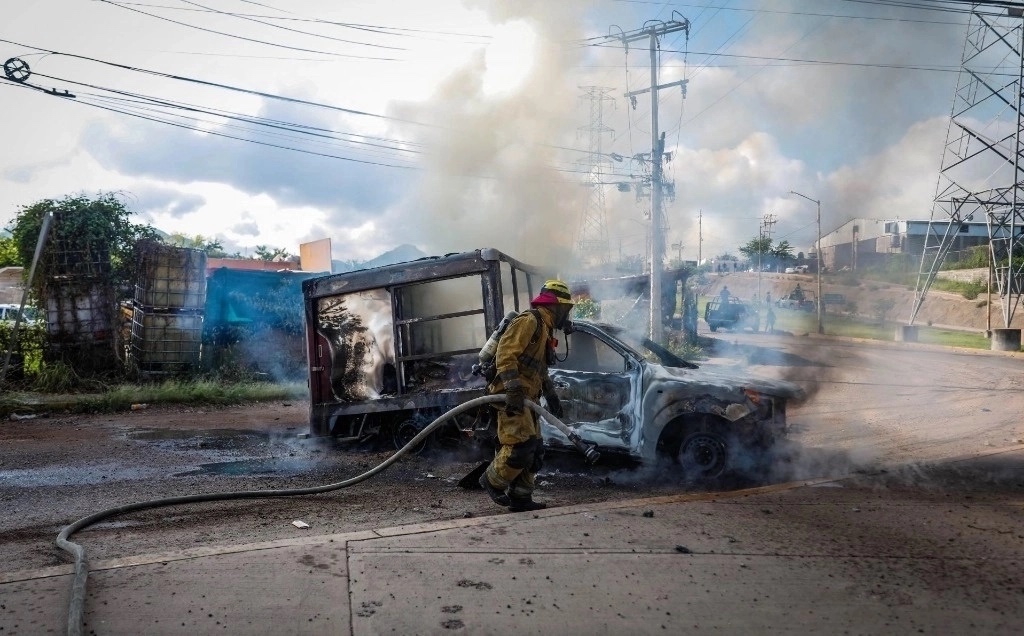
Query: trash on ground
column 300, row 524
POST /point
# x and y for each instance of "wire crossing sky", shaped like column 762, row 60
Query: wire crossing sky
column 455, row 126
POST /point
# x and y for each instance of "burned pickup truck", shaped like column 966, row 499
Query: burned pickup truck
column 393, row 348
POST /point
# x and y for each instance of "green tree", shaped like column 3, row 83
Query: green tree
column 782, row 251
column 265, row 253
column 882, row 308
column 88, row 231
column 760, row 245
column 212, row 247
column 9, row 252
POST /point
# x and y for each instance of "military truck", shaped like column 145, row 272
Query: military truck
column 392, row 348
column 731, row 313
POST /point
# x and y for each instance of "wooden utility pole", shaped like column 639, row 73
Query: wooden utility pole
column 651, row 33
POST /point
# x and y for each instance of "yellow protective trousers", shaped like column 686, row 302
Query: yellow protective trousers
column 520, row 455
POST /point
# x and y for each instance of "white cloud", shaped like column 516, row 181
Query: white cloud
column 491, row 165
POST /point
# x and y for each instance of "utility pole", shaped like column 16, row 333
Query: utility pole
column 700, row 236
column 651, row 31
column 765, row 229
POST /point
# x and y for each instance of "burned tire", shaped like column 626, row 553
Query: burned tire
column 405, row 431
column 703, row 455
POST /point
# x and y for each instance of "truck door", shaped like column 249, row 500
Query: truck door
column 320, row 370
column 593, row 385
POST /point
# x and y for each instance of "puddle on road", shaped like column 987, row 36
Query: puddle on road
column 278, row 466
column 214, row 452
column 74, row 475
column 211, row 439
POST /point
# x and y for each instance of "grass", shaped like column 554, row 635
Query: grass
column 800, row 322
column 842, row 325
column 121, row 397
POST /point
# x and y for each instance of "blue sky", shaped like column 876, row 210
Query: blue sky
column 459, row 124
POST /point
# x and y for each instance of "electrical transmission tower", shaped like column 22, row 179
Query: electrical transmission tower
column 981, row 172
column 592, row 242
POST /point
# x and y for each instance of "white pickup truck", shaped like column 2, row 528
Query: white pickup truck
column 391, row 349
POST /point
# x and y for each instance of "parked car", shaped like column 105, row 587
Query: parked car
column 9, row 314
column 393, row 348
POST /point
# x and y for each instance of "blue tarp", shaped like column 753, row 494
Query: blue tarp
column 236, row 297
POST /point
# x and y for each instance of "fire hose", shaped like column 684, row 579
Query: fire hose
column 76, row 605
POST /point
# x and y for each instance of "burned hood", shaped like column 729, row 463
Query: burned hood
column 730, row 380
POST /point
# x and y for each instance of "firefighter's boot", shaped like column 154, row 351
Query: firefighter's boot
column 525, row 504
column 496, row 495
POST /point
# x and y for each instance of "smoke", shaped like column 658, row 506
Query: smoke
column 491, row 167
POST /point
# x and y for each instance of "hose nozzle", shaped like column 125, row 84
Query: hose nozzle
column 588, row 450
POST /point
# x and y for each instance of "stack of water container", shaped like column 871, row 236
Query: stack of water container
column 167, row 312
column 78, row 298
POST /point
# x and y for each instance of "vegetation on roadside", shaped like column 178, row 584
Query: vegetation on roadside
column 122, row 397
column 802, row 322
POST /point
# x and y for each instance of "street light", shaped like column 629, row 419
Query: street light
column 820, row 300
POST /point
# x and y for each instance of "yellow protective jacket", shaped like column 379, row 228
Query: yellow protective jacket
column 520, row 359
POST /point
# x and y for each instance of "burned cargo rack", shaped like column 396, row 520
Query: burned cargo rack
column 391, row 340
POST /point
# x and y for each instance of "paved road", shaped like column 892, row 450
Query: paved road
column 890, row 403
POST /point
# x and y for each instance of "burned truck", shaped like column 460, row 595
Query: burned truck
column 393, row 348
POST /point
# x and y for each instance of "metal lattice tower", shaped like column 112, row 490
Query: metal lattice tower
column 981, row 171
column 592, row 240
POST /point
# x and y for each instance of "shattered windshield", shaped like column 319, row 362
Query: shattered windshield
column 645, row 348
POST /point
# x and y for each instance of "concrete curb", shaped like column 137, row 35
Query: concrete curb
column 410, row 529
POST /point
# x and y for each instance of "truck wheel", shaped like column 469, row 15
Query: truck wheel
column 703, row 455
column 405, row 431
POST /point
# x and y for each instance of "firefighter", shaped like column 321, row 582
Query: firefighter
column 524, row 352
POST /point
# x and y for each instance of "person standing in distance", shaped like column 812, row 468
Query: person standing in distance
column 524, row 352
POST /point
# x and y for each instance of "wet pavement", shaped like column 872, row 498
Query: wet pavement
column 934, row 548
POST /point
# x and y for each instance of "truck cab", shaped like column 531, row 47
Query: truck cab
column 630, row 396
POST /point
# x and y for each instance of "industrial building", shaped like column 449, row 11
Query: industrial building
column 866, row 242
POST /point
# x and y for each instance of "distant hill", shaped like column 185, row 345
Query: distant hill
column 401, row 254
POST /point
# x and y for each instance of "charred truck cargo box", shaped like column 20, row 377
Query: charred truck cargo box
column 392, row 348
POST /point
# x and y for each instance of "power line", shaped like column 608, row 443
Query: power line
column 404, row 32
column 284, row 28
column 228, row 87
column 241, row 37
column 802, row 61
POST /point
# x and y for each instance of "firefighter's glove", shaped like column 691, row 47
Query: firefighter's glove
column 515, row 401
column 554, row 404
